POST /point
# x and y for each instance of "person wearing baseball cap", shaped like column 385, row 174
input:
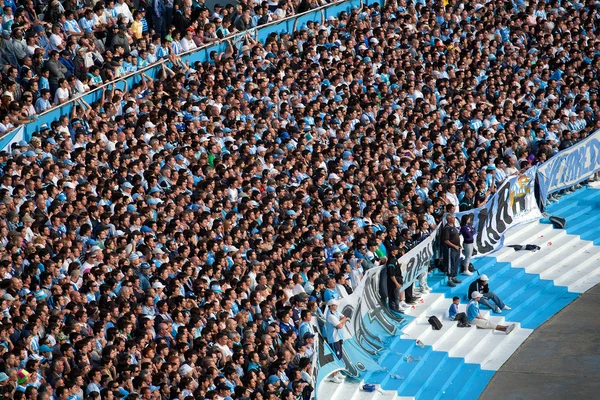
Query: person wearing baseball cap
column 335, row 331
column 475, row 318
column 488, row 298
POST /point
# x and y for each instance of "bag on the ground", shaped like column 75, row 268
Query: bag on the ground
column 461, row 318
column 436, row 324
column 558, row 222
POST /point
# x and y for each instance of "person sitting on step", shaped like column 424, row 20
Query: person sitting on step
column 453, row 308
column 489, row 299
column 474, row 316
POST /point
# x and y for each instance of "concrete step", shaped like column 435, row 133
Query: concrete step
column 496, row 348
column 564, row 269
column 455, row 384
column 421, row 373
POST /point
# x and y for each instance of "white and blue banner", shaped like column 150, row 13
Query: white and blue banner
column 570, row 166
column 372, row 325
column 14, row 136
column 513, row 203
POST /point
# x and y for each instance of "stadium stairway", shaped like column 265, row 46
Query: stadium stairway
column 458, row 363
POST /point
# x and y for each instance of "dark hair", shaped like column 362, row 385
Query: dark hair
column 465, row 219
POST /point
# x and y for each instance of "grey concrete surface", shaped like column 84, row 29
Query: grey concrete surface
column 560, row 360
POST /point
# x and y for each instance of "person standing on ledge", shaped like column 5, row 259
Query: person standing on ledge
column 474, row 316
column 335, row 329
column 451, row 250
column 489, row 299
column 468, row 233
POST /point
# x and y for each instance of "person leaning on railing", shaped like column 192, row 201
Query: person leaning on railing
column 85, row 40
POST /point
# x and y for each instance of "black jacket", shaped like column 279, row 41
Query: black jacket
column 477, row 285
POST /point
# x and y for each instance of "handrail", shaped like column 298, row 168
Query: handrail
column 285, row 25
column 189, row 52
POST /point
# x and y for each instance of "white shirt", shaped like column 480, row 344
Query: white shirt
column 124, row 9
column 333, row 320
column 341, row 289
column 298, row 289
column 55, row 42
column 224, row 349
column 61, row 94
column 187, row 45
column 451, row 197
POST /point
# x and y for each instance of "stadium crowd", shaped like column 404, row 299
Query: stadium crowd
column 79, row 46
column 174, row 239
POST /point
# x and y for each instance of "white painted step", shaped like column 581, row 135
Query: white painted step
column 428, row 301
column 509, row 345
column 561, row 272
column 551, row 251
column 469, row 337
column 517, row 258
column 352, row 390
column 345, row 390
column 566, row 248
column 586, row 282
column 492, row 352
column 594, row 185
column 522, row 234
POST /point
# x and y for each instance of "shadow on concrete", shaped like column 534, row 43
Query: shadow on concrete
column 560, row 360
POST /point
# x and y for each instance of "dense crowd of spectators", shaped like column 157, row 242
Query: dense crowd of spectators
column 67, row 48
column 173, row 240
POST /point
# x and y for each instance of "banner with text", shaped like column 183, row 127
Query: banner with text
column 324, row 361
column 570, row 166
column 372, row 325
column 513, row 203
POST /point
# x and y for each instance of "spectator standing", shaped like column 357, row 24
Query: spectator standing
column 56, row 69
column 468, row 233
column 335, row 328
column 395, row 281
column 450, row 240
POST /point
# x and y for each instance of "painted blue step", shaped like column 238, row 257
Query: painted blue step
column 578, row 194
column 494, row 271
column 528, row 302
column 401, row 346
column 436, row 383
column 438, row 281
column 497, row 273
column 457, row 383
column 565, row 206
column 579, row 210
column 516, row 285
column 417, row 373
column 395, row 364
column 515, row 294
column 591, row 235
column 583, row 223
column 476, row 385
column 551, row 307
column 375, row 377
column 507, row 280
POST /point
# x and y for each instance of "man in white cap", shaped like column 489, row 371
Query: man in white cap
column 474, row 316
column 488, row 299
column 335, row 331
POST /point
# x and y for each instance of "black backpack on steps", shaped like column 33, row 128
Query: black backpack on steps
column 436, row 324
